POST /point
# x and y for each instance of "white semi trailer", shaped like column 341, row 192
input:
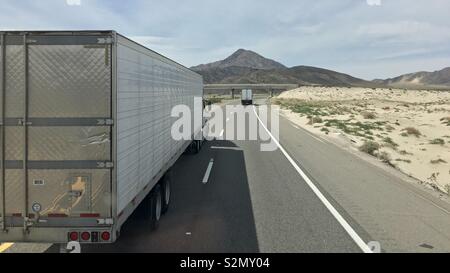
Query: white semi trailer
column 85, row 133
column 247, row 97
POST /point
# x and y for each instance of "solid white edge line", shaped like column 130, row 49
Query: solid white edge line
column 5, row 246
column 356, row 238
column 208, row 171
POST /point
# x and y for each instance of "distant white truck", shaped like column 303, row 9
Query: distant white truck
column 85, row 133
column 247, row 97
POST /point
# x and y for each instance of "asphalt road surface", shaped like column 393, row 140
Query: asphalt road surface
column 257, row 201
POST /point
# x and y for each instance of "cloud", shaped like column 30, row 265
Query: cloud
column 73, row 2
column 374, row 2
column 349, row 35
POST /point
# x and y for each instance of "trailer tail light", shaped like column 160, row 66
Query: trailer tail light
column 106, row 236
column 90, row 236
column 90, row 215
column 73, row 236
column 85, row 236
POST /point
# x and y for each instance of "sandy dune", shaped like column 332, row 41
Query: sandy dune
column 407, row 129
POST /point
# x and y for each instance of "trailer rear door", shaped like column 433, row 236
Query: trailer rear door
column 56, row 129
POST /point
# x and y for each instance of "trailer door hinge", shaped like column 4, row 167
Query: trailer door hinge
column 105, row 122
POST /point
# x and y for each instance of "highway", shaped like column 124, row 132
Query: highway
column 398, row 214
column 255, row 201
column 252, row 202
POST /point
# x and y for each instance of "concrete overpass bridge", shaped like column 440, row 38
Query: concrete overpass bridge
column 233, row 89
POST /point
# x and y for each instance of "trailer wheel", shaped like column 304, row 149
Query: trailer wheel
column 166, row 192
column 195, row 146
column 155, row 207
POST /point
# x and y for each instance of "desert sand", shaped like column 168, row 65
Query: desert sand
column 407, row 129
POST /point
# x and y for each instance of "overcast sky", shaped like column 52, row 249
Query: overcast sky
column 365, row 38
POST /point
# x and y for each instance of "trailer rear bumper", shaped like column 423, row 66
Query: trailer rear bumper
column 56, row 235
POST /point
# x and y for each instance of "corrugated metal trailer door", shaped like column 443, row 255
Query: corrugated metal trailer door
column 58, row 127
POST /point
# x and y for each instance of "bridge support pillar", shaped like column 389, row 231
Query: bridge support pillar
column 232, row 94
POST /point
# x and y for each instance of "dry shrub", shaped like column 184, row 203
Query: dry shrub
column 369, row 115
column 369, row 147
column 438, row 161
column 412, row 131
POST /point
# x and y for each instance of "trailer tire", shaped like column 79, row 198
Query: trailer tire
column 155, row 207
column 197, row 146
column 166, row 192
